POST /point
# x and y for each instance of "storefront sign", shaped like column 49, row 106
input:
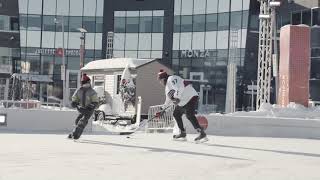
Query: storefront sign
column 194, row 54
column 58, row 52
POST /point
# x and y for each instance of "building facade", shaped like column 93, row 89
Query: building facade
column 196, row 38
column 49, row 26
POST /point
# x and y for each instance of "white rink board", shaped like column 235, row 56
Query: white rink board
column 40, row 120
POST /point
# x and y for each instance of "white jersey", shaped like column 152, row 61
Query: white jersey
column 178, row 88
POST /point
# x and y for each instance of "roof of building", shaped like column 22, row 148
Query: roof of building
column 116, row 63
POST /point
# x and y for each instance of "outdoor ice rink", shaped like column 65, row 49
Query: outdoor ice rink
column 156, row 157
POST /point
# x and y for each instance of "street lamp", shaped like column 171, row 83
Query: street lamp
column 82, row 45
column 63, row 65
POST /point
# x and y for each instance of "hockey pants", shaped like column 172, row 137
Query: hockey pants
column 190, row 110
column 81, row 123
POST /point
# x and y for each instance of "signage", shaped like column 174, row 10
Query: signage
column 195, row 54
column 58, row 52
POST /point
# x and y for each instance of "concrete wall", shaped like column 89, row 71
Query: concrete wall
column 40, row 120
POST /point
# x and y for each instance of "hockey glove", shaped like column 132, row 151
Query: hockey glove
column 175, row 101
column 91, row 107
column 74, row 104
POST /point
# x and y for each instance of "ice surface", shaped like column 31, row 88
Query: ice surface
column 156, row 157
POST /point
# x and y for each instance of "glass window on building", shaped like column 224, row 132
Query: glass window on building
column 59, row 20
column 145, row 41
column 212, row 6
column 47, row 39
column 177, row 7
column 89, row 23
column 4, row 23
column 49, row 7
column 157, row 24
column 186, row 23
column 212, row 22
column 145, row 24
column 75, row 23
column 119, row 24
column 99, row 24
column 187, row 7
column 47, row 64
column 176, row 26
column 245, row 18
column 224, row 6
column 306, row 17
column 199, row 23
column 34, row 22
column 236, row 5
column 185, row 41
column 23, row 19
column 48, row 23
column 198, row 40
column 76, row 8
column 199, row 7
column 34, row 6
column 89, row 8
column 73, row 63
column 99, row 8
column 14, row 23
column 132, row 24
column 131, row 42
column 157, row 41
column 23, row 6
column 63, row 7
column 296, row 18
column 211, row 40
column 223, row 21
column 316, row 16
column 235, row 19
column 119, row 39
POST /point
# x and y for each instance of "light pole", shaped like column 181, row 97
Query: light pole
column 273, row 5
column 63, row 65
column 82, row 45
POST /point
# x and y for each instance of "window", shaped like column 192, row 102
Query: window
column 89, row 8
column 224, row 5
column 131, row 42
column 75, row 23
column 119, row 24
column 212, row 22
column 23, row 21
column 236, row 20
column 187, row 7
column 236, row 5
column 223, row 21
column 306, row 17
column 185, row 41
column 177, row 7
column 99, row 8
column 144, row 41
column 296, row 18
column 89, row 23
column 34, row 22
column 59, row 22
column 99, row 24
column 245, row 16
column 212, row 6
column 132, row 25
column 63, row 7
column 157, row 24
column 49, row 7
column 34, row 6
column 199, row 7
column 211, row 40
column 198, row 40
column 118, row 41
column 157, row 40
column 14, row 23
column 76, row 7
column 176, row 26
column 145, row 24
column 186, row 23
column 4, row 23
column 316, row 16
column 118, row 76
column 199, row 23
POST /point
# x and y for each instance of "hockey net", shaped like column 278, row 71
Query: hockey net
column 164, row 122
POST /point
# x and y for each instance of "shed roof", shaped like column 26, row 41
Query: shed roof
column 116, row 63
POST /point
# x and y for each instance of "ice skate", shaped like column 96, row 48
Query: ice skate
column 202, row 137
column 180, row 137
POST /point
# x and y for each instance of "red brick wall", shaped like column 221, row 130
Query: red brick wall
column 294, row 66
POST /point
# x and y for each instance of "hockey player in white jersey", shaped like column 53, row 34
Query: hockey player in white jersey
column 185, row 97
